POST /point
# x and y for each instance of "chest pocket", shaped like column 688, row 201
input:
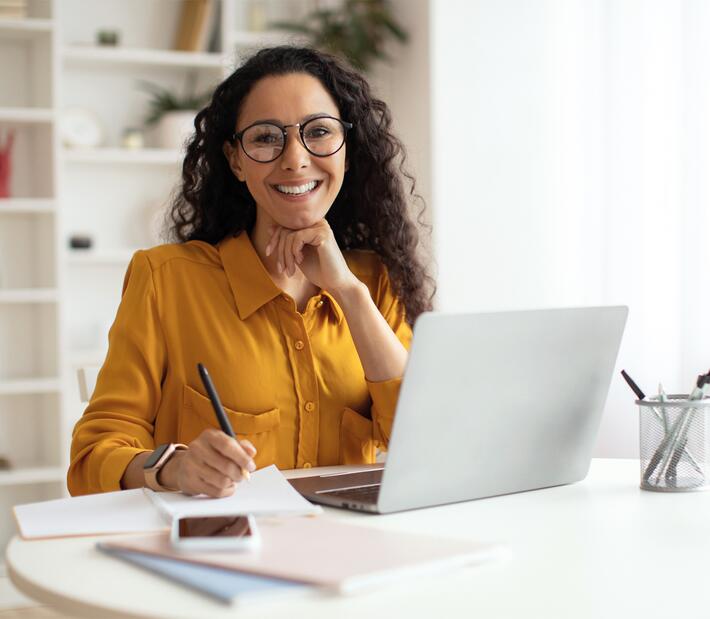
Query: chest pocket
column 260, row 429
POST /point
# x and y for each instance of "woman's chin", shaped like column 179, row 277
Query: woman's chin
column 299, row 222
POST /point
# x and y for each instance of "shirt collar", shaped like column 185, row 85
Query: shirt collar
column 249, row 280
column 334, row 307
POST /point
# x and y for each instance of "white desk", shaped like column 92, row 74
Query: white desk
column 598, row 548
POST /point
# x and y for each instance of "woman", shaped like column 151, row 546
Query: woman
column 295, row 281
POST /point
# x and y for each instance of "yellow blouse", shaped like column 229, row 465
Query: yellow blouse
column 291, row 383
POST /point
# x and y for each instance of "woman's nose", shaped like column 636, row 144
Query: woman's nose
column 295, row 155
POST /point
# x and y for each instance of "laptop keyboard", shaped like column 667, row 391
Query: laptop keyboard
column 366, row 494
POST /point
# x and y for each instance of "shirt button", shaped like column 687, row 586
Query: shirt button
column 319, row 304
column 299, row 345
column 310, row 407
column 307, row 465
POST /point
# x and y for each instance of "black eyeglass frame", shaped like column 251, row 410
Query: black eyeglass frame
column 238, row 136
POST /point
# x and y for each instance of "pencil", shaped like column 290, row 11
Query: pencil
column 218, row 410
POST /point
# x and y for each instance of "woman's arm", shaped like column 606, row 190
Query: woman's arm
column 378, row 326
column 115, row 436
column 382, row 355
column 315, row 252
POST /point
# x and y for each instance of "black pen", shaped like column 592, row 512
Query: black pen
column 218, row 410
column 634, row 387
column 658, row 454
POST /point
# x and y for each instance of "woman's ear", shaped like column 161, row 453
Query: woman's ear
column 233, row 159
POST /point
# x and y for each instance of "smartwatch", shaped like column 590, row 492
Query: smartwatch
column 156, row 461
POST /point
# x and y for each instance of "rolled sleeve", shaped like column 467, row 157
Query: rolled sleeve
column 385, row 393
column 384, row 396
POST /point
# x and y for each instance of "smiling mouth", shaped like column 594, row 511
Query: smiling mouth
column 297, row 190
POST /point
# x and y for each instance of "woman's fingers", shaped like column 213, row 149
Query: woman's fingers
column 298, row 249
column 231, row 449
column 289, row 257
column 196, row 481
column 248, row 447
column 214, row 463
column 213, row 459
column 273, row 239
column 287, row 246
column 280, row 261
column 207, row 487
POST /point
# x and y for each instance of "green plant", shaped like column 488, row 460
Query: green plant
column 357, row 30
column 163, row 100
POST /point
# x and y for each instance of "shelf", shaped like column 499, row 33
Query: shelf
column 29, row 386
column 22, row 206
column 28, row 295
column 160, row 156
column 26, row 115
column 90, row 257
column 25, row 28
column 32, row 475
column 155, row 57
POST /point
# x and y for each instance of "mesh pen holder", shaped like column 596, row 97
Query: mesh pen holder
column 674, row 443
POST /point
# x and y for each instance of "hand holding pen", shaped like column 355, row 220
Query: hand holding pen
column 215, row 461
column 219, row 412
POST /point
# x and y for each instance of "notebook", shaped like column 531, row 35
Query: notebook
column 312, row 550
column 268, row 492
column 132, row 511
column 124, row 511
column 226, row 586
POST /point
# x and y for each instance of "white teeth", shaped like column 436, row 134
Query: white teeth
column 297, row 190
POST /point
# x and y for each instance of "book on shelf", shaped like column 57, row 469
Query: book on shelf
column 197, row 21
column 13, row 9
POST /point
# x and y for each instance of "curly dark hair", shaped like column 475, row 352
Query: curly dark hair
column 370, row 211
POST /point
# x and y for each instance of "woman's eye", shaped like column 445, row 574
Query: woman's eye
column 265, row 138
column 318, row 132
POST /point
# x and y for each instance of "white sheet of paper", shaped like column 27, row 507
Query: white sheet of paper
column 124, row 511
column 267, row 493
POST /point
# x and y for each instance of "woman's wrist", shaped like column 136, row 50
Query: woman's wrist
column 168, row 474
column 350, row 293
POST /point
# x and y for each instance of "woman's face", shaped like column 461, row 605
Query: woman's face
column 287, row 100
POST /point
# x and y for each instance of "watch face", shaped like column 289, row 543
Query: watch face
column 155, row 456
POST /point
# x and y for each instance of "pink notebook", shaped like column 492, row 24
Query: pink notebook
column 328, row 553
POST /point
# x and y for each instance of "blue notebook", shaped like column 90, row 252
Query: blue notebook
column 224, row 585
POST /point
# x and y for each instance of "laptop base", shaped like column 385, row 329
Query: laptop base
column 336, row 490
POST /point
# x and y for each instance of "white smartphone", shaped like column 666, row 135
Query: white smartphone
column 237, row 532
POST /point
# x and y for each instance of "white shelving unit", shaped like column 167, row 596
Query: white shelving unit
column 19, row 206
column 31, row 403
column 164, row 156
column 22, row 115
column 56, row 304
column 76, row 55
column 30, row 386
column 25, row 28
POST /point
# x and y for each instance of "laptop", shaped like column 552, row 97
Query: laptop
column 490, row 404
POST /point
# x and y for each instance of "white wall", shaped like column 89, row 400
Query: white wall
column 491, row 153
column 570, row 148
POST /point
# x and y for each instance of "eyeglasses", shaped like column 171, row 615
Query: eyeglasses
column 264, row 142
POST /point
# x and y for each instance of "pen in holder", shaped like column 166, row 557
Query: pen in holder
column 674, row 443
